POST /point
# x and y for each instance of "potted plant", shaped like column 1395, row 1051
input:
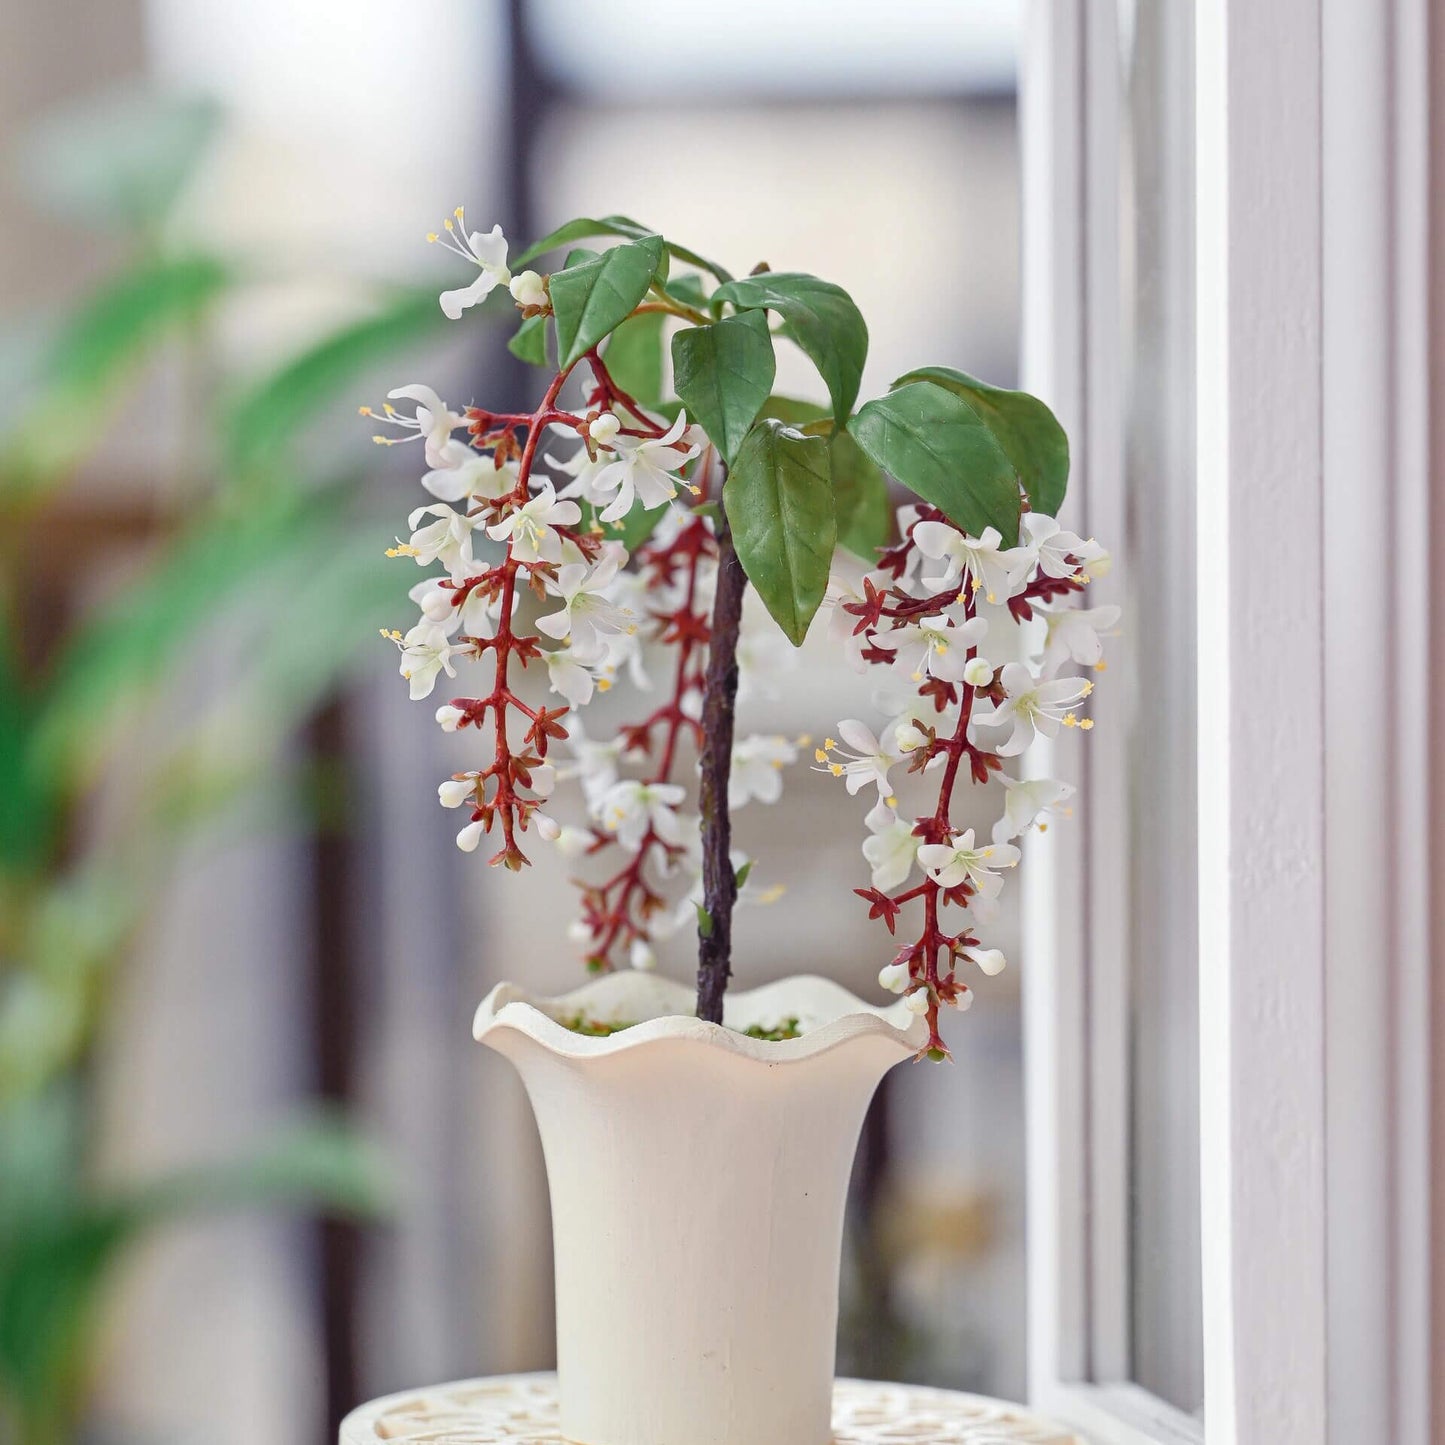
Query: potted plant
column 698, row 1144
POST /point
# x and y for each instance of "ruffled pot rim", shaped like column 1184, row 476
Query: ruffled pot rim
column 660, row 1010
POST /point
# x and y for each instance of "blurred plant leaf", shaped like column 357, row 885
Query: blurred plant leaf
column 105, row 341
column 59, row 1242
column 634, row 357
column 262, row 424
column 585, row 227
column 122, row 158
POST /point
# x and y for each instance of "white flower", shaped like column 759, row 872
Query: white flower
column 572, row 842
column 470, row 836
column 487, row 250
column 587, row 616
column 842, row 623
column 1077, row 633
column 456, row 791
column 643, row 470
column 893, row 977
column 1053, row 546
column 917, row 1002
column 466, row 473
column 568, row 678
column 892, row 848
column 447, row 540
column 631, row 809
column 1025, row 800
column 999, row 574
column 869, row 762
column 433, row 422
column 425, row 653
column 1034, row 706
column 584, row 469
column 934, row 646
column 530, row 527
column 595, row 763
column 950, row 864
column 757, row 769
column 527, row 289
column 641, row 956
column 449, row 717
column 764, row 655
column 990, row 960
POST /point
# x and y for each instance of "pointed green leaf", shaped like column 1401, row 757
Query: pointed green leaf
column 586, row 226
column 779, row 503
column 938, row 445
column 589, row 301
column 634, row 357
column 865, row 518
column 1022, row 425
column 820, row 317
column 723, row 373
column 530, row 342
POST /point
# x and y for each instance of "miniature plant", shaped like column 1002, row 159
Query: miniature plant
column 635, row 551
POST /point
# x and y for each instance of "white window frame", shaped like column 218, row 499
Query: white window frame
column 1311, row 179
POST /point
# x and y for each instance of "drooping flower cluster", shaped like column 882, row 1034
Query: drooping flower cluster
column 976, row 642
column 502, row 528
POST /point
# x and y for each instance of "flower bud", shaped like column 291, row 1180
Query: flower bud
column 544, row 779
column 578, row 932
column 449, row 717
column 917, row 1001
column 893, row 977
column 527, row 289
column 978, row 672
column 455, row 791
column 641, row 955
column 548, row 828
column 436, row 606
column 470, row 836
column 990, row 960
column 910, row 737
column 603, row 429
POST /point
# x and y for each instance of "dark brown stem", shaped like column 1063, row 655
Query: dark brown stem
column 719, row 883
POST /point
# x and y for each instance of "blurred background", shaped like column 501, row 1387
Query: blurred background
column 252, row 1168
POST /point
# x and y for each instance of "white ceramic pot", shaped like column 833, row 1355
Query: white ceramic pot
column 698, row 1178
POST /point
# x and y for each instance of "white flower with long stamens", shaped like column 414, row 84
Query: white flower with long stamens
column 468, row 473
column 950, row 864
column 425, row 654
column 892, row 849
column 529, row 528
column 433, row 423
column 934, row 647
column 447, row 540
column 870, row 761
column 1076, row 633
column 587, row 616
column 997, row 572
column 757, row 769
column 630, row 809
column 1033, row 706
column 487, row 249
column 643, row 470
column 1052, row 546
column 584, row 469
column 1028, row 799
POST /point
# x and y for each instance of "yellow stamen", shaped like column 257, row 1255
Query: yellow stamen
column 1070, row 721
column 836, row 769
column 829, row 744
column 388, row 408
column 1087, row 688
column 819, row 756
column 432, row 237
column 772, row 894
column 1087, row 723
column 604, row 684
column 891, row 800
column 992, row 598
column 363, row 411
column 458, row 213
column 804, row 740
column 1101, row 666
column 391, row 635
column 402, row 549
column 1043, row 827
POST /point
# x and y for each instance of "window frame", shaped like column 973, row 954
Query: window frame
column 1311, row 159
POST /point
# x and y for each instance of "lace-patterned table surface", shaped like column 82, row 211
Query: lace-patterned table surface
column 522, row 1410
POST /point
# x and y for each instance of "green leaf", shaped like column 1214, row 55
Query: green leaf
column 690, row 290
column 106, row 340
column 938, row 445
column 634, row 357
column 590, row 300
column 779, row 503
column 1022, row 425
column 610, row 226
column 264, row 421
column 723, row 373
column 820, row 317
column 704, row 921
column 530, row 342
column 865, row 518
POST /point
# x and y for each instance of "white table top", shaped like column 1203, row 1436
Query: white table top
column 522, row 1410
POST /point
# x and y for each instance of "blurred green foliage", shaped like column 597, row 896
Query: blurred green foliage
column 256, row 550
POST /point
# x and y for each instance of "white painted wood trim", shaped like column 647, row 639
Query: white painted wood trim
column 1261, row 720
